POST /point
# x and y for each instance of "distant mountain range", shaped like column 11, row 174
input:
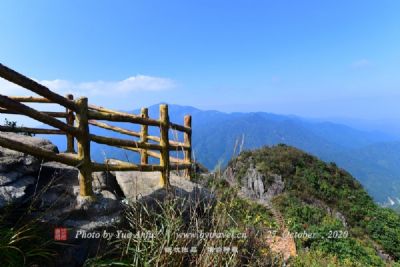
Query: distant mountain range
column 372, row 157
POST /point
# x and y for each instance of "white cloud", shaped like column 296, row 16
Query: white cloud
column 362, row 63
column 132, row 84
column 95, row 88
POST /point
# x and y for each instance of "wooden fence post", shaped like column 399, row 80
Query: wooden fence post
column 188, row 141
column 85, row 170
column 144, row 132
column 70, row 122
column 164, row 143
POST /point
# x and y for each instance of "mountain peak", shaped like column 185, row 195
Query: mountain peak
column 319, row 199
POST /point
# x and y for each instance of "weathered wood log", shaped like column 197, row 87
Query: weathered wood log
column 122, row 142
column 178, row 146
column 173, row 144
column 103, row 109
column 144, row 132
column 131, row 148
column 31, row 99
column 68, row 159
column 50, row 113
column 153, row 138
column 30, row 84
column 101, row 115
column 180, row 128
column 85, row 171
column 164, row 143
column 113, row 128
column 171, row 159
column 176, row 160
column 13, row 105
column 106, row 110
column 138, row 150
column 124, row 166
column 70, row 118
column 180, row 166
column 187, row 136
column 149, row 152
column 153, row 154
column 30, row 130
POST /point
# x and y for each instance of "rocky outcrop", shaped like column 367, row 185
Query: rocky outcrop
column 145, row 187
column 253, row 184
column 59, row 197
column 18, row 171
column 261, row 188
column 53, row 190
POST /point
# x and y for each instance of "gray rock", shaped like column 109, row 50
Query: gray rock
column 341, row 218
column 276, row 187
column 100, row 180
column 61, row 198
column 16, row 191
column 53, row 190
column 106, row 181
column 94, row 223
column 11, row 160
column 253, row 183
column 6, row 178
column 57, row 182
column 17, row 170
column 34, row 141
column 108, row 195
column 146, row 185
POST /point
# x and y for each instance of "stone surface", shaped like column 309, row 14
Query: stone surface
column 63, row 204
column 253, row 183
column 106, row 181
column 146, row 185
column 53, row 187
column 18, row 170
column 17, row 189
column 7, row 178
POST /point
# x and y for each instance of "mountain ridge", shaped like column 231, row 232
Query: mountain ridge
column 319, row 201
column 217, row 137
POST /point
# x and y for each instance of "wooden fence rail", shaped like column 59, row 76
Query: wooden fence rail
column 78, row 115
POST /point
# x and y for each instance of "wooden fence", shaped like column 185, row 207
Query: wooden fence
column 78, row 116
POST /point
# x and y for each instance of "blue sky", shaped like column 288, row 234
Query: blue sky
column 308, row 58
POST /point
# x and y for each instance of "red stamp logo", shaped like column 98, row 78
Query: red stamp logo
column 60, row 234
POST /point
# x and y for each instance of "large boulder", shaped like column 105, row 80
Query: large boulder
column 141, row 186
column 53, row 188
column 61, row 206
column 60, row 198
column 18, row 171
